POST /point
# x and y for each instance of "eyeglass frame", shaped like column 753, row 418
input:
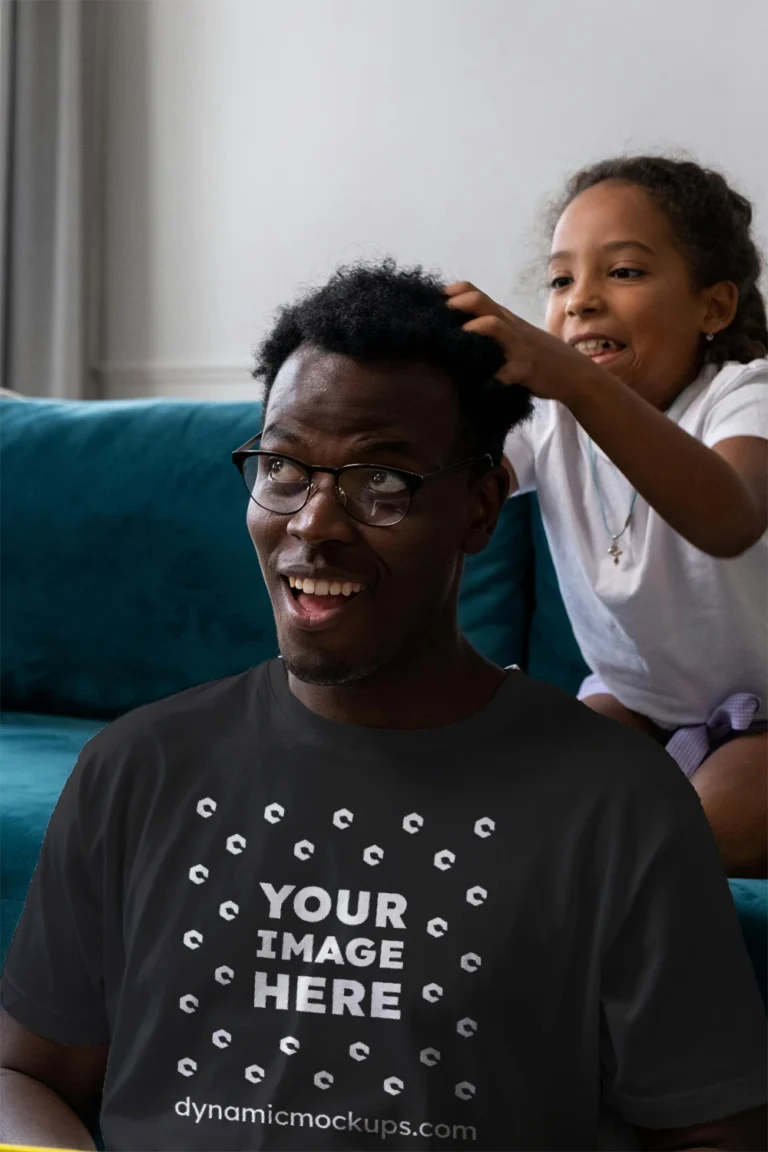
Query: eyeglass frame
column 414, row 480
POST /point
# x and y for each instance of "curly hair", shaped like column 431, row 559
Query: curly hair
column 712, row 224
column 379, row 312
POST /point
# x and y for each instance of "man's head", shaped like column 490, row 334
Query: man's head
column 373, row 368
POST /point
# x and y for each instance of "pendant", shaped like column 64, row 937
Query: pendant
column 615, row 551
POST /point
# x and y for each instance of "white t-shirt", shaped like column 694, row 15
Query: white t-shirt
column 671, row 631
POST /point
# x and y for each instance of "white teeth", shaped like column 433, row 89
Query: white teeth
column 594, row 347
column 323, row 587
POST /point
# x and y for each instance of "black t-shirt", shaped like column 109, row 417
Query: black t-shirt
column 299, row 934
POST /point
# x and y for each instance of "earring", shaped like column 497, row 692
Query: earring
column 709, row 336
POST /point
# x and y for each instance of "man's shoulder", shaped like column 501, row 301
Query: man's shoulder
column 148, row 758
column 187, row 721
column 572, row 743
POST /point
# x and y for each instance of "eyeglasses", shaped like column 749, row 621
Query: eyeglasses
column 371, row 495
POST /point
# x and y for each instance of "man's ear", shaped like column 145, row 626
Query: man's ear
column 488, row 496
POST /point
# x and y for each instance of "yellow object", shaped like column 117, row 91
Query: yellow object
column 32, row 1148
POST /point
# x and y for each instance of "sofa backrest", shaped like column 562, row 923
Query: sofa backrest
column 552, row 653
column 127, row 571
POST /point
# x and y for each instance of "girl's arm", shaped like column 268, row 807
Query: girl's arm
column 714, row 497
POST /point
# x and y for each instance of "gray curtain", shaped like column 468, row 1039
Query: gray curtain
column 52, row 66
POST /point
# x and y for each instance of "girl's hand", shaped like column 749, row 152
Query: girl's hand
column 544, row 364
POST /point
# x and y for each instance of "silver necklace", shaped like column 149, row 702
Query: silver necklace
column 614, row 551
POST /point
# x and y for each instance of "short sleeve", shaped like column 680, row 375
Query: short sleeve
column 742, row 409
column 520, row 451
column 52, row 981
column 682, row 1020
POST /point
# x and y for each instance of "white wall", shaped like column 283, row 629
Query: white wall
column 253, row 145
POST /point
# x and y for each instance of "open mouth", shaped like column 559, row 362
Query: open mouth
column 324, row 587
column 320, row 601
column 600, row 349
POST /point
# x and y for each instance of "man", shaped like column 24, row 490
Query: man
column 379, row 891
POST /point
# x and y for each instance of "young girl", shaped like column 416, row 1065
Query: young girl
column 648, row 451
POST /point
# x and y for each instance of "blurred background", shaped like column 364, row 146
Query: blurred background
column 174, row 170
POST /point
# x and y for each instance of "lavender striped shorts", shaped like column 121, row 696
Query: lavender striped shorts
column 690, row 746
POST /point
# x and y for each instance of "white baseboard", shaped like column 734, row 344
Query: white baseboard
column 176, row 381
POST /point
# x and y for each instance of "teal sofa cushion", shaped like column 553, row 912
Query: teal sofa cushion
column 127, row 571
column 553, row 654
column 494, row 605
column 751, row 900
column 37, row 754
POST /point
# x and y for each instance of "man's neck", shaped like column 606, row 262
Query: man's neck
column 429, row 691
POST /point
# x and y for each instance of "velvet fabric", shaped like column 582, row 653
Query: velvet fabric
column 751, row 900
column 553, row 654
column 37, row 754
column 127, row 571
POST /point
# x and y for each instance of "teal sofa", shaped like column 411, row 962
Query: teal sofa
column 126, row 574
